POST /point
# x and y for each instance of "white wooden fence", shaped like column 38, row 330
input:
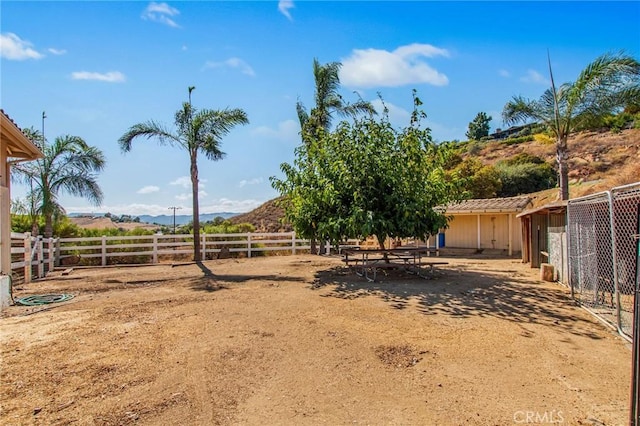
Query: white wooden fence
column 33, row 257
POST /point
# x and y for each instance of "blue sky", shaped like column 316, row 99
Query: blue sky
column 96, row 68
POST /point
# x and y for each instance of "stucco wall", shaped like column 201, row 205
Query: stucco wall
column 494, row 231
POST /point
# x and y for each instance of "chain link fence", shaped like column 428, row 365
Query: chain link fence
column 602, row 254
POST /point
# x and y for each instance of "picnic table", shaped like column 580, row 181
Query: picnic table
column 410, row 259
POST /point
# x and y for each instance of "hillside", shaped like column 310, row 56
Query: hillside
column 265, row 218
column 597, row 161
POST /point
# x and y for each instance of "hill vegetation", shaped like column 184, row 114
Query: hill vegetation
column 599, row 160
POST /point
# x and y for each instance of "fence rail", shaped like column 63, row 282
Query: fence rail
column 33, row 257
column 602, row 254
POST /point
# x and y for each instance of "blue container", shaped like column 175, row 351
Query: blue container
column 441, row 239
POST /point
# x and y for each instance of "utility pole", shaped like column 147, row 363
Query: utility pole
column 174, row 217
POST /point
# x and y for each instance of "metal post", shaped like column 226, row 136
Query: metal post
column 634, row 419
column 615, row 262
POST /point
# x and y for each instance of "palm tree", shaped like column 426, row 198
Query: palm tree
column 69, row 166
column 327, row 103
column 327, row 100
column 605, row 86
column 196, row 131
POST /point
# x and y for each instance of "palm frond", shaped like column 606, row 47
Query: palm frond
column 149, row 130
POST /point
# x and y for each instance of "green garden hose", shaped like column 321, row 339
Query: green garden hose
column 43, row 299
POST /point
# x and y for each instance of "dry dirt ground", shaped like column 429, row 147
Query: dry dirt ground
column 297, row 340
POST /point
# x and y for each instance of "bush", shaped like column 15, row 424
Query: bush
column 517, row 140
column 544, row 139
column 525, row 178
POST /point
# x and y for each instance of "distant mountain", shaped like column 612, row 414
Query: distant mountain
column 183, row 219
column 164, row 219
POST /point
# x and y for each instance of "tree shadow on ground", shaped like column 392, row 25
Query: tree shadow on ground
column 210, row 282
column 464, row 291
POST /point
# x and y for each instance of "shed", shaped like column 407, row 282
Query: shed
column 486, row 224
column 14, row 147
column 544, row 236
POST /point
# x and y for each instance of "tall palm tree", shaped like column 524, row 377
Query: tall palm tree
column 605, row 86
column 327, row 99
column 69, row 166
column 196, row 131
column 327, row 103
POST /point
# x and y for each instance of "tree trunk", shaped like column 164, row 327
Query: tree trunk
column 313, row 248
column 48, row 226
column 196, row 210
column 563, row 169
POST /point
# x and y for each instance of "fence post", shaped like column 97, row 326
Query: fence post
column 57, row 252
column 249, row 244
column 293, row 242
column 104, row 250
column 155, row 248
column 27, row 257
column 51, row 253
column 204, row 245
column 40, row 256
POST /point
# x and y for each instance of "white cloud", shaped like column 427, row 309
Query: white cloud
column 185, row 182
column 235, row 63
column 161, row 12
column 137, row 209
column 284, row 6
column 56, row 51
column 187, row 195
column 226, row 205
column 109, row 77
column 149, row 189
column 287, row 130
column 533, row 76
column 504, row 73
column 14, row 48
column 381, row 68
column 254, row 181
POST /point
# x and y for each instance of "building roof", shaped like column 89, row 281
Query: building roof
column 490, row 205
column 17, row 144
column 555, row 207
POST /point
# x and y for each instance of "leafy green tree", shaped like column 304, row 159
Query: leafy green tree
column 606, row 85
column 197, row 131
column 482, row 181
column 327, row 103
column 479, row 127
column 69, row 166
column 368, row 178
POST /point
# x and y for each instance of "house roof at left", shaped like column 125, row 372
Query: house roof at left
column 17, row 144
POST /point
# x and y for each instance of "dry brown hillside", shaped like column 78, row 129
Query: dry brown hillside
column 265, row 218
column 614, row 157
column 598, row 161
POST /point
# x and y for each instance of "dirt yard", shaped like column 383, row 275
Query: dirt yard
column 298, row 340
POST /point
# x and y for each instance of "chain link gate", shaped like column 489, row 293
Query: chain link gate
column 591, row 271
column 602, row 256
column 625, row 218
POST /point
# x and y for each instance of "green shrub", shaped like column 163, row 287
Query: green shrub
column 525, row 178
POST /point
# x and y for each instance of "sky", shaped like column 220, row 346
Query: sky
column 97, row 68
